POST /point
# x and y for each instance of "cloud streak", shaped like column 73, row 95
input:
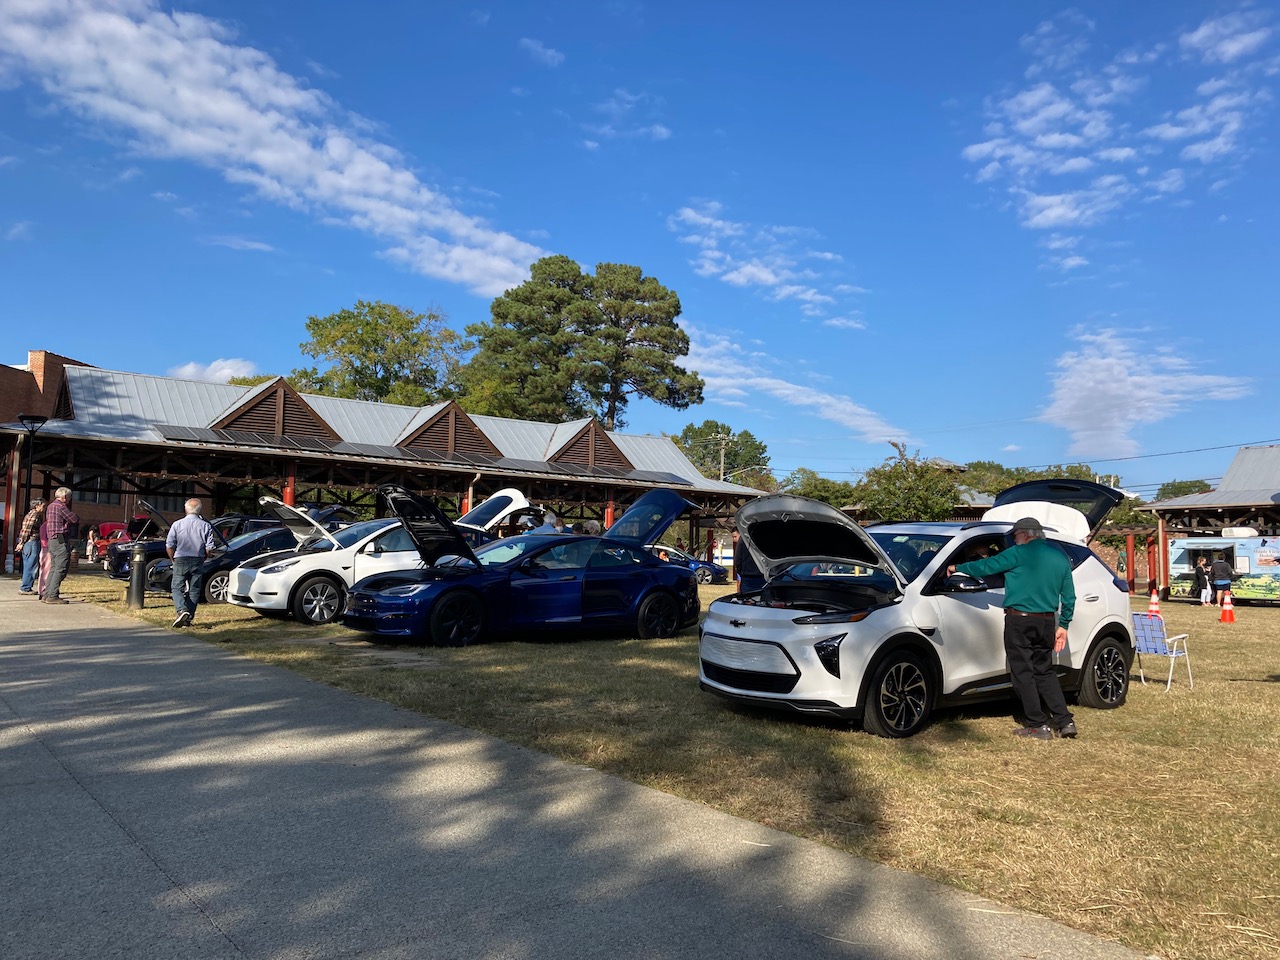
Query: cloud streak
column 181, row 88
column 1110, row 385
column 735, row 377
column 218, row 371
column 774, row 261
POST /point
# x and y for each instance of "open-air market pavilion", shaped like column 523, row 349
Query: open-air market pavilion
column 114, row 437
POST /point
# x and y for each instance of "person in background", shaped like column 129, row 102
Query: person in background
column 1220, row 574
column 592, row 528
column 745, row 572
column 1039, row 602
column 188, row 544
column 680, row 544
column 29, row 545
column 1202, row 581
column 64, row 528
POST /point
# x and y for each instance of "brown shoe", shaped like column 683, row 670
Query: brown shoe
column 54, row 600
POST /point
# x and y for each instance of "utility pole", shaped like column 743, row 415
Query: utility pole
column 724, row 439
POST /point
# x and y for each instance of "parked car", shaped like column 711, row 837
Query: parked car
column 508, row 506
column 149, row 528
column 218, row 566
column 102, row 537
column 228, row 526
column 704, row 570
column 865, row 624
column 311, row 580
column 527, row 584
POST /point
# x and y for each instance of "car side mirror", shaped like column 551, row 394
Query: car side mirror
column 963, row 583
column 373, row 549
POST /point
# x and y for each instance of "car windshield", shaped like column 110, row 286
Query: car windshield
column 246, row 538
column 839, row 574
column 347, row 536
column 910, row 552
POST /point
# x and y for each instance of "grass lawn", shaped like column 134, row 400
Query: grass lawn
column 1158, row 827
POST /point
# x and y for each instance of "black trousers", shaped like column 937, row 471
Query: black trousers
column 1028, row 643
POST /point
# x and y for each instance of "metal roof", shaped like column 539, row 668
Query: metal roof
column 114, row 405
column 1252, row 480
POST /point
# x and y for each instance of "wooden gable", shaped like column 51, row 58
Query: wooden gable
column 451, row 431
column 592, row 447
column 277, row 410
column 63, row 409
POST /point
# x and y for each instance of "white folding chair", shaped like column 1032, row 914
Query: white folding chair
column 1152, row 639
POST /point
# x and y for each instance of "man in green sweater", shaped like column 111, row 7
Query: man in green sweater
column 1039, row 601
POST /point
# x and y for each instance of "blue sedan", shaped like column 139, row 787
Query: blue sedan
column 528, row 584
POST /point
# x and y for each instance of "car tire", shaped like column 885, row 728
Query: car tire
column 1104, row 682
column 217, row 587
column 146, row 577
column 457, row 620
column 658, row 616
column 318, row 600
column 703, row 575
column 899, row 697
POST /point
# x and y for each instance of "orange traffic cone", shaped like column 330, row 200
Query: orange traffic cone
column 1153, row 605
column 1228, row 610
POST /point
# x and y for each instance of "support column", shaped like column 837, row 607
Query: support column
column 609, row 508
column 290, row 491
column 1131, row 561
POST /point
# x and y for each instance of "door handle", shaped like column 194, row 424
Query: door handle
column 1092, row 598
column 567, row 579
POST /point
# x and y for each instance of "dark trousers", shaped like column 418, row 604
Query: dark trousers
column 188, row 581
column 59, row 563
column 1028, row 643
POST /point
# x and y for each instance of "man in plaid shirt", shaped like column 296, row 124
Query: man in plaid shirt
column 29, row 544
column 63, row 526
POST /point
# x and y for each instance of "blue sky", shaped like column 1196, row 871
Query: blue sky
column 1015, row 231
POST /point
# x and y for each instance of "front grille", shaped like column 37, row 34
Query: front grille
column 748, row 680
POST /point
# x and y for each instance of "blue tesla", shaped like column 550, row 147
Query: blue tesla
column 529, row 584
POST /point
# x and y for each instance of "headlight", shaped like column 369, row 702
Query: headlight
column 843, row 616
column 406, row 589
column 279, row 567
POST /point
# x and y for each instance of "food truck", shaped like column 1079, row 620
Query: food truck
column 1255, row 560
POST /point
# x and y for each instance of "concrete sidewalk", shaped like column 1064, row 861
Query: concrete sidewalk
column 160, row 797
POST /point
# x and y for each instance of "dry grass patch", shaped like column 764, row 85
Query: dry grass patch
column 1159, row 827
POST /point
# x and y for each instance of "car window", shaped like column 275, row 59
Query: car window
column 503, row 551
column 394, row 541
column 486, row 511
column 979, row 548
column 615, row 555
column 350, row 536
column 910, row 553
column 843, row 574
column 564, row 556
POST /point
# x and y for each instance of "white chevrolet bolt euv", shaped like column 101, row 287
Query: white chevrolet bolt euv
column 864, row 623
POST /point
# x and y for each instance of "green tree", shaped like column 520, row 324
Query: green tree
column 252, row 381
column 567, row 344
column 378, row 351
column 991, row 477
column 720, row 453
column 1182, row 488
column 907, row 488
column 804, row 482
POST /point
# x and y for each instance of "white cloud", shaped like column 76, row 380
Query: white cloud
column 591, row 144
column 1010, row 448
column 731, row 375
column 19, row 231
column 1043, row 141
column 164, row 196
column 219, row 371
column 541, row 53
column 182, row 89
column 240, row 243
column 776, row 260
column 1228, row 38
column 1110, row 386
column 844, row 323
column 621, row 109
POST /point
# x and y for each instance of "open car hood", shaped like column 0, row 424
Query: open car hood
column 299, row 523
column 495, row 510
column 1074, row 509
column 782, row 529
column 649, row 517
column 153, row 526
column 431, row 531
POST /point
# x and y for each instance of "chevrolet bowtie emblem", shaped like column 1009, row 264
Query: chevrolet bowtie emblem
column 737, row 623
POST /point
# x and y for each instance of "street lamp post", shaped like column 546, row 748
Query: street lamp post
column 31, row 423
